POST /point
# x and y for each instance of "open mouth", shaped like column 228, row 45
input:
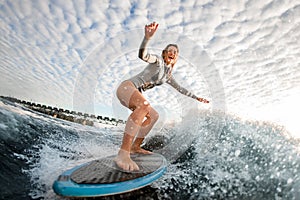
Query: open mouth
column 170, row 59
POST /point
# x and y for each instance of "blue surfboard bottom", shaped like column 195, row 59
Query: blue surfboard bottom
column 65, row 186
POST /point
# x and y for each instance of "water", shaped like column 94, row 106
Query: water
column 225, row 157
column 52, row 52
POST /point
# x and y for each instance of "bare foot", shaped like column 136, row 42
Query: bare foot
column 140, row 150
column 124, row 161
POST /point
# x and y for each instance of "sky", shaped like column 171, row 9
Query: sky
column 241, row 55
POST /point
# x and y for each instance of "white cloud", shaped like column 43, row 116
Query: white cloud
column 48, row 47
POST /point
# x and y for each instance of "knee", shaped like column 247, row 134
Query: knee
column 140, row 112
column 144, row 107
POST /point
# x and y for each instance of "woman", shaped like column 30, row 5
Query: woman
column 130, row 95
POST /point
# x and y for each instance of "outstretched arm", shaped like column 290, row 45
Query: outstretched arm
column 184, row 91
column 143, row 54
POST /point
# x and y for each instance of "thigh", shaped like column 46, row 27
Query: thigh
column 138, row 100
column 130, row 96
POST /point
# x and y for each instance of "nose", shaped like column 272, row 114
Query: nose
column 172, row 53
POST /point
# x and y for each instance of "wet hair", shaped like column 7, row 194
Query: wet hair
column 166, row 48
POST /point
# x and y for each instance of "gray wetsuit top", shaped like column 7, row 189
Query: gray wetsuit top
column 156, row 73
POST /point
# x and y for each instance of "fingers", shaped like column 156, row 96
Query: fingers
column 203, row 100
column 152, row 26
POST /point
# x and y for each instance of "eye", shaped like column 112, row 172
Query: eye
column 172, row 51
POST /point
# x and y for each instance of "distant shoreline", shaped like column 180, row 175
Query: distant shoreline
column 72, row 116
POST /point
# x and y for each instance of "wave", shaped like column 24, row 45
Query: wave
column 229, row 158
column 210, row 155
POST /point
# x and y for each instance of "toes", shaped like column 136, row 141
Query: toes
column 127, row 165
column 132, row 166
column 136, row 167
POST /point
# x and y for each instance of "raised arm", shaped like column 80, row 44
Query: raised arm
column 149, row 32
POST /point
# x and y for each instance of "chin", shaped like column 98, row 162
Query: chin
column 168, row 62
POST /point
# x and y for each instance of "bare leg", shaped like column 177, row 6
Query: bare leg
column 130, row 97
column 133, row 125
column 147, row 125
column 123, row 159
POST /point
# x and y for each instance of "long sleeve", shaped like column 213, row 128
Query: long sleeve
column 144, row 55
column 180, row 89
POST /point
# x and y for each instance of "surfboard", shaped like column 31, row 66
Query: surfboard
column 102, row 177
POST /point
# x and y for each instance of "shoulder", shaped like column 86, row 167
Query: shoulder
column 160, row 61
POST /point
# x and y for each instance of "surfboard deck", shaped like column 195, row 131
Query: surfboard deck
column 102, row 177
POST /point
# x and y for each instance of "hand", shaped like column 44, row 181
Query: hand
column 202, row 100
column 150, row 30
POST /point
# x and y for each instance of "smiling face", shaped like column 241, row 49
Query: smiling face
column 170, row 54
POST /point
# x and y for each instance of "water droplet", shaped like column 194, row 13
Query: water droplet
column 289, row 181
column 237, row 153
column 257, row 178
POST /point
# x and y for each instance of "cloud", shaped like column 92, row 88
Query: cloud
column 53, row 51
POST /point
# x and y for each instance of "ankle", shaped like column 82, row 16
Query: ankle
column 138, row 142
column 136, row 148
column 123, row 152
